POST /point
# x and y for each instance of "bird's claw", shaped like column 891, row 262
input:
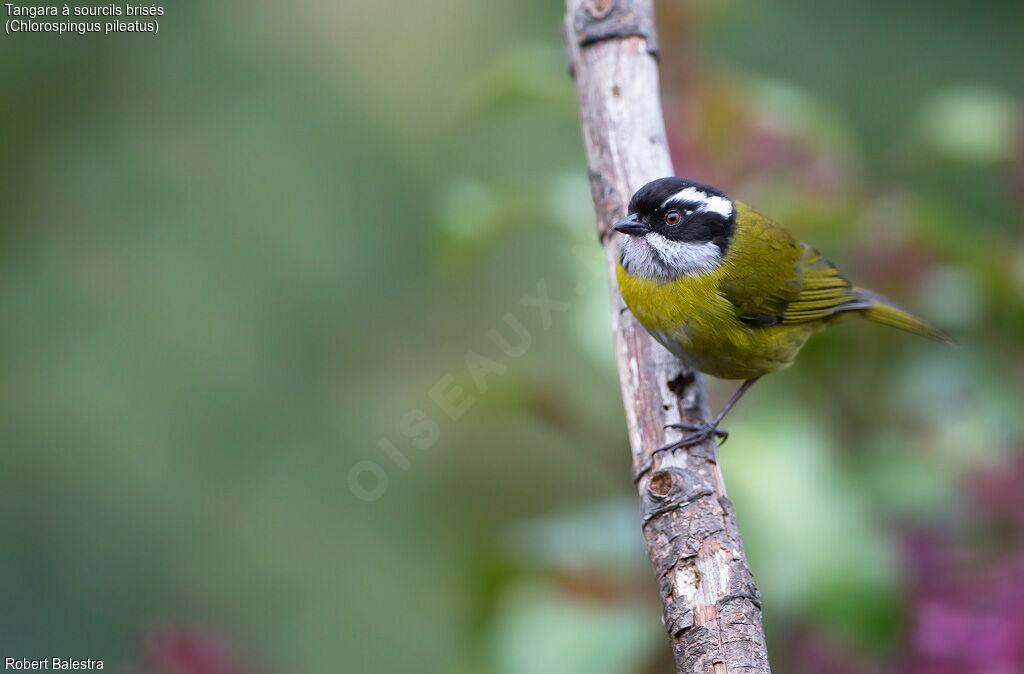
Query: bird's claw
column 697, row 434
column 704, row 430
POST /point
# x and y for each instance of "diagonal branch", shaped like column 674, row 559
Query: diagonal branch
column 712, row 607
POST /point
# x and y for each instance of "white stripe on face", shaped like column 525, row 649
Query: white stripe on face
column 715, row 204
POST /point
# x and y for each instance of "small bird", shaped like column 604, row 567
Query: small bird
column 729, row 291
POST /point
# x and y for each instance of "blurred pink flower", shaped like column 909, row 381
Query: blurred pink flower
column 188, row 651
column 951, row 635
column 965, row 596
column 968, row 600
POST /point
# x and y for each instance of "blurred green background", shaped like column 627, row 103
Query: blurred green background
column 249, row 262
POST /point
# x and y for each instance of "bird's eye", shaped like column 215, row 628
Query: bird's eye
column 672, row 218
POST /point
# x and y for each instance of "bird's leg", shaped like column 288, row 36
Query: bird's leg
column 699, row 434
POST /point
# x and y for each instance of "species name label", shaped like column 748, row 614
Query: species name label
column 65, row 19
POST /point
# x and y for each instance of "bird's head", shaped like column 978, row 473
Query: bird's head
column 676, row 227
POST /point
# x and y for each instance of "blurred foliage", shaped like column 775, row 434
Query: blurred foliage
column 243, row 257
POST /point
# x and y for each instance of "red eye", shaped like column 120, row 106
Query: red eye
column 672, row 218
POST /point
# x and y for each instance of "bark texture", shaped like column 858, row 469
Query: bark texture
column 712, row 607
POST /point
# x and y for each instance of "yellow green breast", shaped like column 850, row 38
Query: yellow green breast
column 693, row 320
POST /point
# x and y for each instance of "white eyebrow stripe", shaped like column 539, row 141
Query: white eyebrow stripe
column 715, row 204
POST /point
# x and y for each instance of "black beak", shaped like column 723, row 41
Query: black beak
column 631, row 225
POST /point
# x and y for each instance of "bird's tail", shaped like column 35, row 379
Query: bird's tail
column 885, row 311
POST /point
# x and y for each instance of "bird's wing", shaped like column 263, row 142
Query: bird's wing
column 823, row 291
column 776, row 279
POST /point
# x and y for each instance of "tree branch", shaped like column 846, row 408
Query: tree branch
column 712, row 607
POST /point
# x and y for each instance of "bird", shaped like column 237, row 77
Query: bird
column 729, row 291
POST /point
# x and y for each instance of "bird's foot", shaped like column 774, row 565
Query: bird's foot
column 705, row 431
column 696, row 435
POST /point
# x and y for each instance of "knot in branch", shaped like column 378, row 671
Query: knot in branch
column 670, row 489
column 598, row 20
